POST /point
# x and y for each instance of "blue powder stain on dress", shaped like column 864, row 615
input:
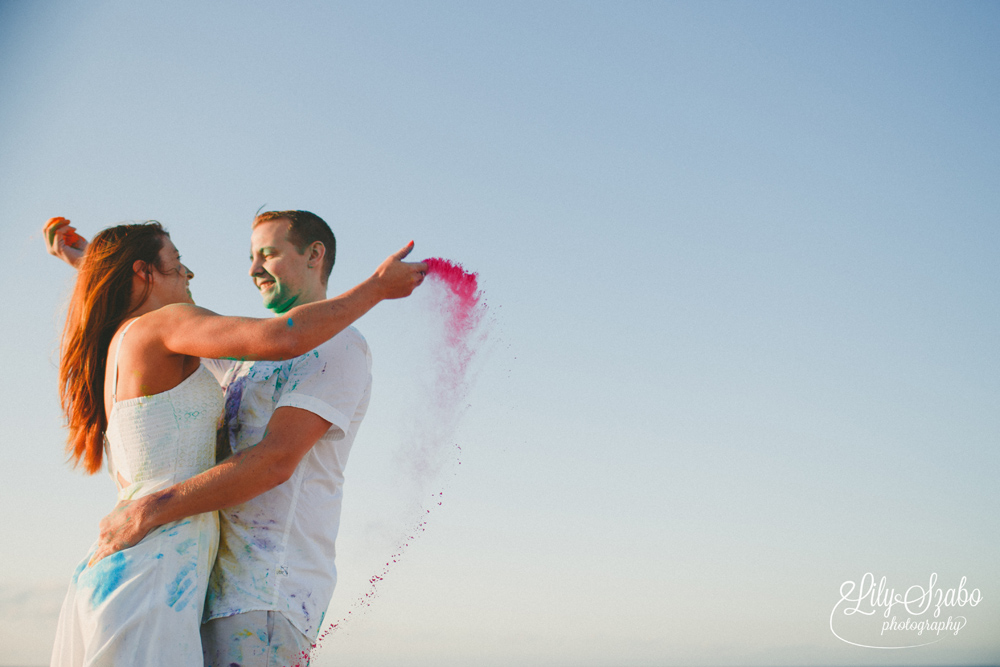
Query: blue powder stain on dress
column 108, row 575
column 179, row 586
column 80, row 568
column 185, row 545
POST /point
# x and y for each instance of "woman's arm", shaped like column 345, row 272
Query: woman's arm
column 191, row 330
column 62, row 241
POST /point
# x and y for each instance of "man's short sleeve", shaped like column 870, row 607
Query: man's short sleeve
column 331, row 380
column 220, row 368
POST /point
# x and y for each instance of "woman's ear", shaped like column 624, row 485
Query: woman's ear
column 141, row 269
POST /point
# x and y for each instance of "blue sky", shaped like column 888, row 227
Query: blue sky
column 740, row 259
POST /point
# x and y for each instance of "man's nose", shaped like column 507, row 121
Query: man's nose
column 256, row 266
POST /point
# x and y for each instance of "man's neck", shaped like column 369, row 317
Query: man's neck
column 304, row 297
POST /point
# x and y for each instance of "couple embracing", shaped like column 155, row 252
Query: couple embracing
column 226, row 436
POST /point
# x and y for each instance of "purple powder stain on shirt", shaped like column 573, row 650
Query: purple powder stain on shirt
column 234, row 397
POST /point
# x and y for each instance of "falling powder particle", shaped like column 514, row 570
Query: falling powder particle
column 456, row 300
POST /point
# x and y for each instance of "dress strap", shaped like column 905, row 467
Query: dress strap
column 118, row 351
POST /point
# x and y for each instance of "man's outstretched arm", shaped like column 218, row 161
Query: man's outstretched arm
column 290, row 434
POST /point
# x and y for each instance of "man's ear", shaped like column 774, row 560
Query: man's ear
column 317, row 251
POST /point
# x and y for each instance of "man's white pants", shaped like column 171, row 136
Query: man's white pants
column 254, row 639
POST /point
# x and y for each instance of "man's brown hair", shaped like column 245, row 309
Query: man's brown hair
column 304, row 229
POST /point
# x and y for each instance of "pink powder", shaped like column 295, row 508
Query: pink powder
column 464, row 285
column 453, row 297
column 461, row 309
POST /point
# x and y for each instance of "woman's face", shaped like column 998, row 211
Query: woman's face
column 171, row 277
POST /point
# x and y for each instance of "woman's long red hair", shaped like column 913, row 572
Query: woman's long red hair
column 99, row 305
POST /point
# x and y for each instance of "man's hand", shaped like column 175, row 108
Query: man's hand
column 120, row 529
column 396, row 278
column 291, row 433
column 62, row 241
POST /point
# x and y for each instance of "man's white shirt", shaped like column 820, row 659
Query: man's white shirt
column 276, row 551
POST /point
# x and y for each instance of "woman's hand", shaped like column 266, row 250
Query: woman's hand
column 396, row 278
column 120, row 529
column 62, row 241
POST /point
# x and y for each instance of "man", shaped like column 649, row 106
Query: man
column 290, row 426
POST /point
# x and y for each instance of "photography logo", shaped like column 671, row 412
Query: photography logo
column 872, row 615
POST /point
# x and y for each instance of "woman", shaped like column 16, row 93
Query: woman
column 130, row 370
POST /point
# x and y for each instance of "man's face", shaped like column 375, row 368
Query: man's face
column 277, row 268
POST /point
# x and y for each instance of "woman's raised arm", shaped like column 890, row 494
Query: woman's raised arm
column 189, row 329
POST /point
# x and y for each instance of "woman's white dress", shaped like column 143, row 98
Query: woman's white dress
column 143, row 605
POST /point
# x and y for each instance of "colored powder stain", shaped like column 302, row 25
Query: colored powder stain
column 290, row 322
column 185, row 545
column 181, row 584
column 108, row 574
column 234, row 398
column 244, row 633
column 80, row 568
